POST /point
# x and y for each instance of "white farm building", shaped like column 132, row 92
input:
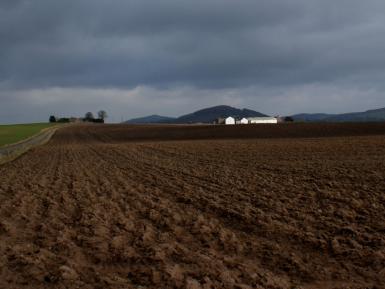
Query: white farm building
column 250, row 120
column 242, row 121
column 262, row 120
column 229, row 120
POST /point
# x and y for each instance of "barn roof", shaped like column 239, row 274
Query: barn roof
column 261, row 118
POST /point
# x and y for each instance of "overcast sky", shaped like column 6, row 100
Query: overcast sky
column 171, row 57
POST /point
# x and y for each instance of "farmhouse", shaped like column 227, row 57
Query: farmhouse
column 242, row 121
column 262, row 120
column 229, row 120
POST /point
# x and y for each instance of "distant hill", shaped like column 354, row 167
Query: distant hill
column 366, row 116
column 151, row 119
column 311, row 116
column 207, row 115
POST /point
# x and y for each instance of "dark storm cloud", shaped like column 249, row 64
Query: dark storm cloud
column 246, row 52
column 217, row 43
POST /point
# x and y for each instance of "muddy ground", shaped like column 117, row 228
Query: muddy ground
column 106, row 206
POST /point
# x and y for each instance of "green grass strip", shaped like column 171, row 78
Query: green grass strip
column 14, row 133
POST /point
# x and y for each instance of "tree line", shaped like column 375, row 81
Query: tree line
column 88, row 117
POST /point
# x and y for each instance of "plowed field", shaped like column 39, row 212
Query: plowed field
column 113, row 206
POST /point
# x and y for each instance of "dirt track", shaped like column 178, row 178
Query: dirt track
column 99, row 208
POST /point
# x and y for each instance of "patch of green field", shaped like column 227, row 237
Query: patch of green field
column 16, row 132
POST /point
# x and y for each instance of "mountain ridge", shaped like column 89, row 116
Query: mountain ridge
column 371, row 115
column 210, row 114
column 205, row 115
column 154, row 118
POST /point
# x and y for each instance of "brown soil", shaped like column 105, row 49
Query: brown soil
column 98, row 207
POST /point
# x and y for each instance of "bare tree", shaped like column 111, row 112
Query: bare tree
column 52, row 118
column 102, row 114
column 89, row 116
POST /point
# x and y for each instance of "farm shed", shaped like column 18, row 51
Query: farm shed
column 262, row 120
column 242, row 121
column 229, row 120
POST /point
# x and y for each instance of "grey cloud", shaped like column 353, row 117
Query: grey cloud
column 261, row 47
column 214, row 43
